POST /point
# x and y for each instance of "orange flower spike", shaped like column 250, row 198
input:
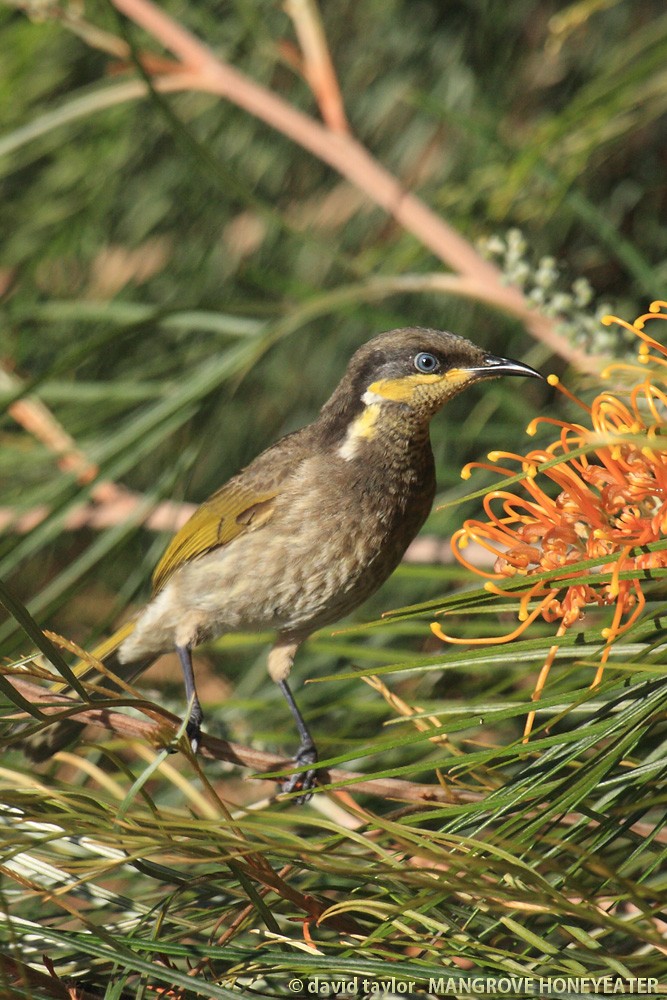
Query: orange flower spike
column 637, row 328
column 612, row 500
column 570, row 428
column 530, row 510
column 487, row 534
column 570, row 482
column 524, row 605
column 610, row 634
column 610, row 415
column 493, row 588
column 523, row 556
column 614, row 461
column 544, row 501
column 527, row 462
column 528, row 482
column 653, row 360
column 625, row 366
column 619, row 566
column 541, row 683
column 573, row 437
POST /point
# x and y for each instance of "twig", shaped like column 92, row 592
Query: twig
column 36, row 418
column 317, row 66
column 168, row 515
column 18, row 976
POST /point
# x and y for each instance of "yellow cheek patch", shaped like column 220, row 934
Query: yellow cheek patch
column 401, row 390
column 361, row 429
column 458, row 376
column 364, row 425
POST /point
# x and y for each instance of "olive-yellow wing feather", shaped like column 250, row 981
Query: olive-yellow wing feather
column 230, row 512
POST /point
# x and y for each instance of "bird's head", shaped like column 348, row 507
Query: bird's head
column 416, row 369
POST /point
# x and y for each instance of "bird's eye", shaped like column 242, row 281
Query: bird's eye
column 426, row 363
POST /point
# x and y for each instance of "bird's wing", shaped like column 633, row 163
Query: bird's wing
column 230, row 512
column 243, row 504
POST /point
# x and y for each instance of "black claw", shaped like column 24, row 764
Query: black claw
column 303, row 781
column 193, row 732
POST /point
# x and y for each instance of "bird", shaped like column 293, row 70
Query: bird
column 310, row 529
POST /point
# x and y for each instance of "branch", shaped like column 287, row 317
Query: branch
column 121, row 506
column 202, row 70
column 19, row 977
column 213, row 748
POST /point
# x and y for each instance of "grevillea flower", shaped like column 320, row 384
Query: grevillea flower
column 603, row 499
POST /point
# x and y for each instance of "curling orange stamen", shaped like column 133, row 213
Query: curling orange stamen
column 495, row 641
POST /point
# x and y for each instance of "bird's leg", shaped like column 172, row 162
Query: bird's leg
column 305, row 756
column 193, row 728
column 281, row 658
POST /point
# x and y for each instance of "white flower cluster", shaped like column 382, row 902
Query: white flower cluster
column 578, row 318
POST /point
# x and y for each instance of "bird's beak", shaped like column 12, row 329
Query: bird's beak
column 494, row 367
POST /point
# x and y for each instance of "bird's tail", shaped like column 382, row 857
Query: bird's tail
column 59, row 735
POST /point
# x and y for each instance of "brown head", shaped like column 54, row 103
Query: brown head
column 417, row 370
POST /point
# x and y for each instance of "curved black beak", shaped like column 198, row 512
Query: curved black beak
column 494, row 367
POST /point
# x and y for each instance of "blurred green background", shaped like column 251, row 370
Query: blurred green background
column 180, row 285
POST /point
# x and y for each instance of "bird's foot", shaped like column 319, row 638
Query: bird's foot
column 303, row 781
column 193, row 732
